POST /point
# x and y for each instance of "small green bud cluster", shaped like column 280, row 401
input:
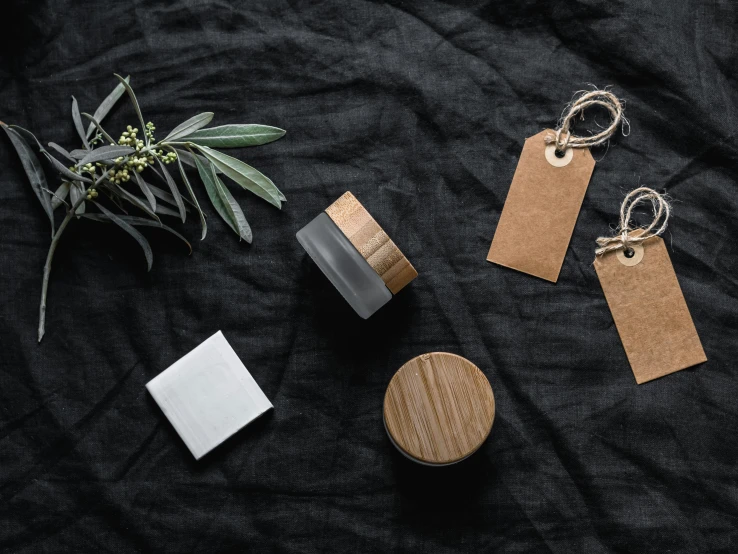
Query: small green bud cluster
column 128, row 138
column 91, row 193
column 150, row 130
column 167, row 158
column 89, row 168
column 119, row 176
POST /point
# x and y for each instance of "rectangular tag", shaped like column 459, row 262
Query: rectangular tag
column 541, row 209
column 649, row 310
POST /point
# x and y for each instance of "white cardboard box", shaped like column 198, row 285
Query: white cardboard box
column 208, row 395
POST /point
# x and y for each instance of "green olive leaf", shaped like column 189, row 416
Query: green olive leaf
column 96, row 123
column 105, row 153
column 132, row 96
column 249, row 178
column 203, row 223
column 78, row 123
column 191, row 125
column 222, row 201
column 64, row 170
column 62, row 151
column 233, row 136
column 189, row 158
column 32, row 166
column 166, row 197
column 136, row 201
column 106, row 106
column 174, row 189
column 60, row 195
column 146, row 189
column 140, row 239
column 139, row 222
column 76, row 192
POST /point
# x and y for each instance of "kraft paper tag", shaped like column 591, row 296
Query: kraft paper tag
column 649, row 310
column 541, row 208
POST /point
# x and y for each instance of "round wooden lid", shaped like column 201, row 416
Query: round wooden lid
column 439, row 408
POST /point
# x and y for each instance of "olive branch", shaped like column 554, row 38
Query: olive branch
column 104, row 165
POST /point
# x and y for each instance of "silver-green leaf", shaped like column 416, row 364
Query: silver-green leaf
column 128, row 228
column 146, row 189
column 76, row 192
column 105, row 153
column 191, row 125
column 62, row 151
column 132, row 96
column 78, row 123
column 175, row 191
column 223, row 202
column 203, row 223
column 140, row 222
column 60, row 195
column 107, row 105
column 34, row 171
column 248, row 177
column 136, row 201
column 233, row 136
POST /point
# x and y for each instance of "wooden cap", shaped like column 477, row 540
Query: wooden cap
column 372, row 242
column 439, row 408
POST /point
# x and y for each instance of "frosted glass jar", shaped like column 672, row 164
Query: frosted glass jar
column 356, row 255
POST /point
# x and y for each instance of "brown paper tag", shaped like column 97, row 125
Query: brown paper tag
column 541, row 209
column 650, row 312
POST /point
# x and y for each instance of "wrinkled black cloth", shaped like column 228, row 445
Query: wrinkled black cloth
column 420, row 109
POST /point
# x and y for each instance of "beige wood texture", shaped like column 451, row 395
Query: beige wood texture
column 439, row 408
column 372, row 242
column 650, row 312
column 541, row 210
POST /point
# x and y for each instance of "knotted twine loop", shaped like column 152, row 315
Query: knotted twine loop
column 661, row 212
column 563, row 137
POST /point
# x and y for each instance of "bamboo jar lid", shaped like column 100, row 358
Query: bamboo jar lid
column 372, row 242
column 439, row 408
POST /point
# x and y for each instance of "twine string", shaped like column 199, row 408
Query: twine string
column 625, row 238
column 563, row 137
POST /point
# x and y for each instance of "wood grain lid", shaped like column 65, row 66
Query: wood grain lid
column 439, row 408
column 372, row 242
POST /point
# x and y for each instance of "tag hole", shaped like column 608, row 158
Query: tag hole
column 629, row 253
column 559, row 153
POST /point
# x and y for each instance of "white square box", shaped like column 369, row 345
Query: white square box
column 208, row 395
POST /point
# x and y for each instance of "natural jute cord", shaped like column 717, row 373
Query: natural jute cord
column 563, row 137
column 661, row 212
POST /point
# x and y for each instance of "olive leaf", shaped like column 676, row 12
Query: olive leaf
column 78, row 154
column 78, row 123
column 189, row 158
column 132, row 96
column 32, row 166
column 166, row 197
column 136, row 201
column 175, row 191
column 64, row 170
column 139, row 222
column 223, row 202
column 203, row 223
column 232, row 136
column 140, row 239
column 106, row 153
column 106, row 106
column 163, row 210
column 146, row 189
column 62, row 151
column 96, row 123
column 75, row 193
column 192, row 124
column 248, row 177
column 61, row 193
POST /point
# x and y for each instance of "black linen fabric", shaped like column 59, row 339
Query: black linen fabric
column 420, row 109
